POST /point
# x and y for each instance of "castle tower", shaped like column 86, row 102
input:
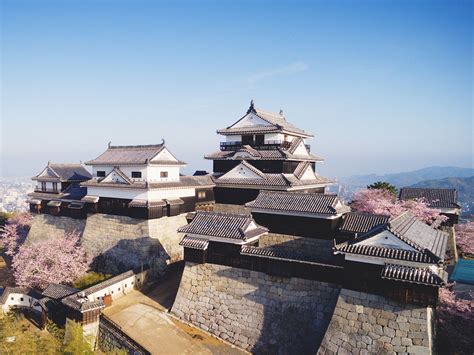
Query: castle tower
column 263, row 151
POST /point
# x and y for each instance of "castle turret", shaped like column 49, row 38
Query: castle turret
column 263, row 151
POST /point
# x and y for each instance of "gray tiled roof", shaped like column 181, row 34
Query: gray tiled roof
column 382, row 252
column 285, row 254
column 441, row 198
column 419, row 235
column 276, row 123
column 356, row 222
column 74, row 302
column 194, row 242
column 430, row 244
column 299, row 202
column 184, row 181
column 64, row 173
column 419, row 275
column 56, row 291
column 129, row 155
column 108, row 282
column 262, row 154
column 222, row 225
column 269, row 180
column 73, row 192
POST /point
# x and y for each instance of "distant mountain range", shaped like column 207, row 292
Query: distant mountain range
column 441, row 177
column 407, row 178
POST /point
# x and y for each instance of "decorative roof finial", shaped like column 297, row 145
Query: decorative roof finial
column 252, row 107
column 163, row 141
column 110, row 143
column 49, row 162
column 281, row 114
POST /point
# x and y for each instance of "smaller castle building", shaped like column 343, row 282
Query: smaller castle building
column 58, row 190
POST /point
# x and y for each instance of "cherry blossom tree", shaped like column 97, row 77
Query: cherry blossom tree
column 465, row 237
column 14, row 233
column 382, row 201
column 59, row 260
column 455, row 318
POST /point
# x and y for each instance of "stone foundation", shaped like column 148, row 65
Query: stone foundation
column 118, row 243
column 46, row 226
column 256, row 311
column 368, row 324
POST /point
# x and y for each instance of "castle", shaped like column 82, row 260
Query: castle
column 268, row 253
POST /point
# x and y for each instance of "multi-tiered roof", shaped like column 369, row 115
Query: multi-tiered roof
column 263, row 150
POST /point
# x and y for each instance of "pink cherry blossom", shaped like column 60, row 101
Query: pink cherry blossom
column 380, row 201
column 465, row 237
column 14, row 233
column 59, row 260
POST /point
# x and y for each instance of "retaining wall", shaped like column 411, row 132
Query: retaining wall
column 369, row 324
column 118, row 243
column 256, row 311
column 45, row 226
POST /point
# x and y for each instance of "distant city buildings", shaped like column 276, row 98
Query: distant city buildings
column 13, row 193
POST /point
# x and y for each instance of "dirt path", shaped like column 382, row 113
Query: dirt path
column 144, row 317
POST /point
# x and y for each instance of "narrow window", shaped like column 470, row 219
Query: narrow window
column 100, row 173
column 43, row 186
column 112, row 292
column 132, row 282
column 21, row 299
column 202, row 194
column 125, row 285
column 136, row 174
column 118, row 289
column 11, row 298
column 163, row 174
column 55, row 186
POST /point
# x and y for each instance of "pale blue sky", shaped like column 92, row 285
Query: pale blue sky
column 385, row 86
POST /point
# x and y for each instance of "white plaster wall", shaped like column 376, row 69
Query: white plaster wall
column 96, row 168
column 251, row 120
column 301, row 150
column 308, row 174
column 386, row 239
column 28, row 301
column 154, row 173
column 154, row 195
column 236, row 138
column 240, row 171
column 118, row 289
column 117, row 192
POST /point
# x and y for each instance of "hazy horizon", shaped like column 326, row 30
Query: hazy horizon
column 384, row 86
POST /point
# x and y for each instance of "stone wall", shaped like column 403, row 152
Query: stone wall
column 121, row 243
column 118, row 243
column 46, row 226
column 256, row 311
column 111, row 338
column 369, row 324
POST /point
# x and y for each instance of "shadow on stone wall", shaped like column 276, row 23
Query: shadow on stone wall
column 258, row 312
column 129, row 254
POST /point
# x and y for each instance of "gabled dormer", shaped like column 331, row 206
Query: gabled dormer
column 402, row 240
column 140, row 163
column 55, row 178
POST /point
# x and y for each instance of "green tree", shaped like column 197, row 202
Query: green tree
column 383, row 185
column 17, row 337
column 75, row 341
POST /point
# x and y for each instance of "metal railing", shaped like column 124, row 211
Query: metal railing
column 267, row 145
